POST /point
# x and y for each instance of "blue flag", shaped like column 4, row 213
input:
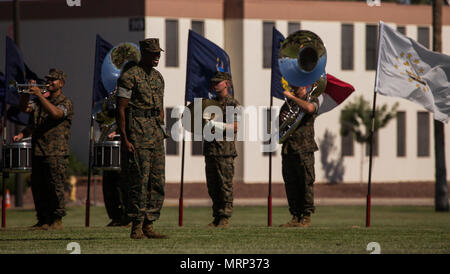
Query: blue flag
column 204, row 58
column 102, row 48
column 276, row 87
column 14, row 70
column 17, row 70
column 2, row 92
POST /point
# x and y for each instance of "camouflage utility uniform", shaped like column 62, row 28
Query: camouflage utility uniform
column 50, row 152
column 145, row 168
column 298, row 166
column 219, row 167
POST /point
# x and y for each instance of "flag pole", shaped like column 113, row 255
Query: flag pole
column 180, row 201
column 269, row 197
column 368, row 202
column 372, row 129
column 4, row 174
column 88, row 194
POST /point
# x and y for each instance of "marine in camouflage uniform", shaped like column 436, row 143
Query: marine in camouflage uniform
column 298, row 163
column 51, row 119
column 219, row 160
column 140, row 117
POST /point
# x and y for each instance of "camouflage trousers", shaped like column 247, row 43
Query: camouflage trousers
column 48, row 177
column 115, row 195
column 219, row 180
column 145, row 171
column 299, row 176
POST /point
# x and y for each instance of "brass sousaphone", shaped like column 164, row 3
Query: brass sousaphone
column 107, row 153
column 302, row 59
column 113, row 64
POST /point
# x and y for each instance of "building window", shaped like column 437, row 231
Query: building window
column 401, row 134
column 375, row 145
column 423, row 36
column 267, row 44
column 347, row 46
column 198, row 27
column 293, row 27
column 267, row 128
column 171, row 144
column 423, row 134
column 401, row 29
column 347, row 145
column 371, row 47
column 171, row 50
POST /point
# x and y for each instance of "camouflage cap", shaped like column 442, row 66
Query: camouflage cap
column 56, row 74
column 220, row 76
column 150, row 45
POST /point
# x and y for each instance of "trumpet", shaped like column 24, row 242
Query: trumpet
column 24, row 88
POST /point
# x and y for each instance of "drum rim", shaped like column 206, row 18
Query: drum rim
column 16, row 169
column 18, row 145
column 107, row 143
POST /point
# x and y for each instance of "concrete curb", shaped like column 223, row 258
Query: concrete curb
column 318, row 202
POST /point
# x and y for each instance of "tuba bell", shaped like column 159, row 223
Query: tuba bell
column 302, row 59
column 113, row 64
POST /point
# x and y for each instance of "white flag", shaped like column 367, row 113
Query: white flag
column 408, row 70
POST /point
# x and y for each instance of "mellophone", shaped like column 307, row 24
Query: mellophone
column 17, row 157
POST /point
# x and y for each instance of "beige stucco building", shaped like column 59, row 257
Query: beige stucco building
column 55, row 35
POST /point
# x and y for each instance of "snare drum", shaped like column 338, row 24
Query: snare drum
column 107, row 155
column 17, row 157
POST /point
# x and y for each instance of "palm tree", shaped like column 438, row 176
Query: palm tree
column 356, row 119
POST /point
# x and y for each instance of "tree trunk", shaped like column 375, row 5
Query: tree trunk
column 441, row 189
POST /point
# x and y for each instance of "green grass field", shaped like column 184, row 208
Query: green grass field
column 336, row 229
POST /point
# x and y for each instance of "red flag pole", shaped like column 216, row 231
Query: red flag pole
column 269, row 198
column 368, row 202
column 180, row 201
column 4, row 174
column 369, row 185
column 4, row 200
column 88, row 194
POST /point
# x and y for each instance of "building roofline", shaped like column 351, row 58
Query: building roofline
column 295, row 10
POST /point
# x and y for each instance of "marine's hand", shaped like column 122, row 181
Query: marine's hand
column 35, row 91
column 288, row 94
column 129, row 146
column 111, row 135
column 18, row 137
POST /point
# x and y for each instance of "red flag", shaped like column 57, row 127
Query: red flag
column 335, row 93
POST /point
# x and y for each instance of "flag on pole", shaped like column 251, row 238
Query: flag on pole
column 408, row 70
column 335, row 93
column 2, row 92
column 276, row 88
column 17, row 70
column 204, row 58
column 102, row 47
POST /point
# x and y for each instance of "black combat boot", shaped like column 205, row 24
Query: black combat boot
column 150, row 232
